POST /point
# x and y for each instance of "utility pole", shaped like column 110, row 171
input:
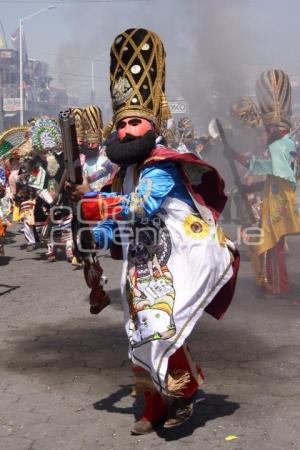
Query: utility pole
column 93, row 93
column 21, row 21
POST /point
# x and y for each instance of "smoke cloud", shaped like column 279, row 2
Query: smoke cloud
column 215, row 48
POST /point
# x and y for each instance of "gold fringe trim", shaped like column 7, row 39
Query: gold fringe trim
column 77, row 113
column 177, row 381
column 134, row 111
column 140, row 111
column 165, row 109
column 153, row 159
column 108, row 129
column 193, row 366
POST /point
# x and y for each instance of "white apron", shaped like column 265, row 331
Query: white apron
column 173, row 268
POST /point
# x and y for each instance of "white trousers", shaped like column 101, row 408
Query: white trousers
column 29, row 233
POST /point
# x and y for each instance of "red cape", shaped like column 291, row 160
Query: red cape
column 206, row 186
column 202, row 180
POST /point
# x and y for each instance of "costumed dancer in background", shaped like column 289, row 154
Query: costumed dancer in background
column 13, row 146
column 249, row 137
column 182, row 137
column 5, row 207
column 279, row 215
column 14, row 167
column 296, row 135
column 11, row 141
column 185, row 129
column 203, row 146
column 177, row 261
column 98, row 170
column 169, row 133
column 52, row 213
column 25, row 198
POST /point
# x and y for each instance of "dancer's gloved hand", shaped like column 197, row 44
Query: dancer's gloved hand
column 242, row 158
column 76, row 191
column 252, row 188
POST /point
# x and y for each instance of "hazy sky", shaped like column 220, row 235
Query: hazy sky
column 209, row 43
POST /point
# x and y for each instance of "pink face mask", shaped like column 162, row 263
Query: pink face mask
column 93, row 146
column 135, row 126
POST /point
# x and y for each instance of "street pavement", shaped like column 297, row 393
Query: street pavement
column 65, row 379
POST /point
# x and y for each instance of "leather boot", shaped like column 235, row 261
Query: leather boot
column 154, row 414
column 142, row 426
column 180, row 411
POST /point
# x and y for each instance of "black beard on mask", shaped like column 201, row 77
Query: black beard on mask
column 131, row 150
column 88, row 152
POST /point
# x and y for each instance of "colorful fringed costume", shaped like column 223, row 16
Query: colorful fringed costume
column 280, row 216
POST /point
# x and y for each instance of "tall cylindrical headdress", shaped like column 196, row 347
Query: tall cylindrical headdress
column 137, row 76
column 77, row 113
column 273, row 92
column 92, row 124
column 244, row 111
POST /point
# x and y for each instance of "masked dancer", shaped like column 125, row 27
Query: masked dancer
column 177, row 261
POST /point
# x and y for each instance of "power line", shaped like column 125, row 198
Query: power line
column 74, row 2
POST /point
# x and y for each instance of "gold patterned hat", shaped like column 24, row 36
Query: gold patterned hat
column 273, row 92
column 137, row 77
column 244, row 111
column 77, row 113
column 92, row 124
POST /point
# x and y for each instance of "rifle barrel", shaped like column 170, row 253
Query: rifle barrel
column 70, row 147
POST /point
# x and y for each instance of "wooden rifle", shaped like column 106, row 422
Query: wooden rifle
column 83, row 242
column 236, row 178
